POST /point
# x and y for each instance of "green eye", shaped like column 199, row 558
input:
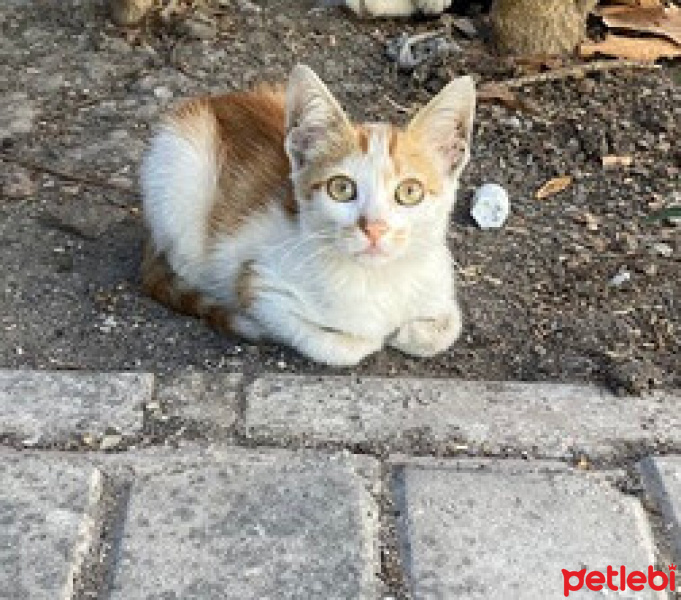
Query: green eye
column 341, row 188
column 409, row 193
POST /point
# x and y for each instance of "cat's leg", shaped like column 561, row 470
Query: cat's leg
column 429, row 336
column 279, row 316
column 432, row 7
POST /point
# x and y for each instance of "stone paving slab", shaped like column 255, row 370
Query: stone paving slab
column 247, row 525
column 406, row 413
column 44, row 524
column 662, row 479
column 505, row 529
column 206, row 400
column 43, row 406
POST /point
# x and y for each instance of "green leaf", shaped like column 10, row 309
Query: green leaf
column 665, row 213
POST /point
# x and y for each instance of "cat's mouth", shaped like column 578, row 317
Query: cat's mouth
column 372, row 251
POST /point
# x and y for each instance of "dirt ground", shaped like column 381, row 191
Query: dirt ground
column 79, row 97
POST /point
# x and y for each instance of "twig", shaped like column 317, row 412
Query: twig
column 87, row 180
column 399, row 107
column 577, row 71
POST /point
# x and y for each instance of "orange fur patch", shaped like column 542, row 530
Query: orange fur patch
column 163, row 285
column 411, row 157
column 362, row 138
column 253, row 166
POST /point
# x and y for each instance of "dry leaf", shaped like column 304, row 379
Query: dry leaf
column 497, row 92
column 617, row 161
column 643, row 49
column 553, row 187
column 665, row 22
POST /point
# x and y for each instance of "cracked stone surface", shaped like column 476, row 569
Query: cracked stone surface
column 249, row 525
column 208, row 401
column 407, row 413
column 43, row 502
column 43, row 406
column 505, row 529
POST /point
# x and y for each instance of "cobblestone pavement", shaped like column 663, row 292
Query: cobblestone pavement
column 204, row 486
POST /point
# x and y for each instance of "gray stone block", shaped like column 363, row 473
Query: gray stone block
column 45, row 524
column 226, row 524
column 480, row 530
column 662, row 480
column 208, row 401
column 46, row 406
column 406, row 413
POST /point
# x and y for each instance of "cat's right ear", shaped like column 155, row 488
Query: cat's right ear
column 315, row 122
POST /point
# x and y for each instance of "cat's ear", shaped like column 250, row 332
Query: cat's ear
column 446, row 123
column 315, row 122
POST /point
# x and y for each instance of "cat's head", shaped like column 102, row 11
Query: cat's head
column 376, row 192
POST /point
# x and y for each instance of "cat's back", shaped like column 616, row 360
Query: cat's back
column 214, row 162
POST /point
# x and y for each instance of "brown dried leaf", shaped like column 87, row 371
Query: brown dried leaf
column 665, row 22
column 643, row 49
column 498, row 92
column 617, row 161
column 553, row 187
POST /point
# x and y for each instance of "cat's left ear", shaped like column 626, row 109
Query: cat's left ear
column 315, row 123
column 446, row 123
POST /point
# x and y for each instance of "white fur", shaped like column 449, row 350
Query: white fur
column 397, row 8
column 179, row 178
column 316, row 288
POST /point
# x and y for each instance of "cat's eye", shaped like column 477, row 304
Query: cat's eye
column 409, row 193
column 341, row 188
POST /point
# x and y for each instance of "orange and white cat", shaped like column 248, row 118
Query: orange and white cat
column 273, row 216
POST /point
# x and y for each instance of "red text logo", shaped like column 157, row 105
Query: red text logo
column 619, row 580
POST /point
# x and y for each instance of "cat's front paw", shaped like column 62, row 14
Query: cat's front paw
column 433, row 7
column 427, row 337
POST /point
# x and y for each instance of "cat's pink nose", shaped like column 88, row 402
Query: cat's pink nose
column 374, row 230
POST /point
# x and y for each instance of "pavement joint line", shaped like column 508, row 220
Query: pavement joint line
column 392, row 574
column 666, row 522
column 89, row 534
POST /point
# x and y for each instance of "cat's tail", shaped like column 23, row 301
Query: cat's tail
column 161, row 283
column 179, row 184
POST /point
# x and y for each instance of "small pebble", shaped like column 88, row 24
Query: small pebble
column 19, row 184
column 109, row 442
column 200, row 28
column 663, row 250
column 621, row 278
column 163, row 93
column 490, row 207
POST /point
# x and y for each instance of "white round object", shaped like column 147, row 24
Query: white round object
column 491, row 206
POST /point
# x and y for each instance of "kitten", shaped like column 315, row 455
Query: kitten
column 397, row 8
column 274, row 217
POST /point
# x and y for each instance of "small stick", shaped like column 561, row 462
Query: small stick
column 397, row 106
column 577, row 71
